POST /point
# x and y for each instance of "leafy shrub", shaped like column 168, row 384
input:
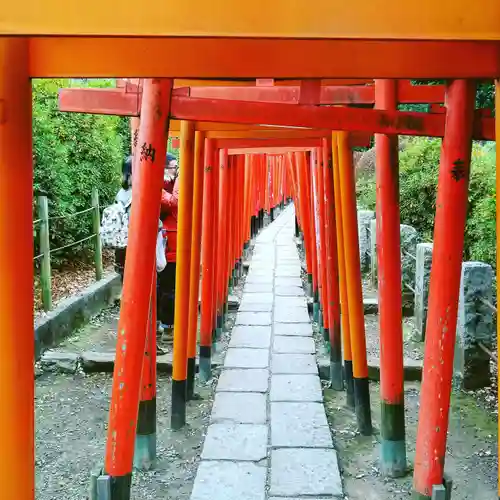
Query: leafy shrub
column 73, row 153
column 419, row 164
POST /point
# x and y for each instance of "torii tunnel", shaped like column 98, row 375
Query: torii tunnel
column 267, row 99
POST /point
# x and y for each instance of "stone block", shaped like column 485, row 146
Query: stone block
column 246, row 358
column 293, row 329
column 251, row 307
column 257, row 337
column 299, row 425
column 291, row 315
column 373, row 253
column 253, row 318
column 305, row 472
column 256, row 288
column 58, row 361
column 259, row 280
column 223, row 480
column 474, row 325
column 364, row 219
column 409, row 239
column 291, row 302
column 293, row 345
column 422, row 281
column 244, row 442
column 239, row 408
column 294, row 364
column 295, row 388
column 257, row 298
column 246, row 380
column 282, row 281
column 289, row 291
column 283, row 271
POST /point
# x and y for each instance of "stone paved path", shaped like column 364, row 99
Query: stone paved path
column 269, row 438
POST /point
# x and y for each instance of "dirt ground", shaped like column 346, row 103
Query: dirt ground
column 471, row 457
column 71, row 423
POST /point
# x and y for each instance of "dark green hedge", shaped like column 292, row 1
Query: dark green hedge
column 419, row 163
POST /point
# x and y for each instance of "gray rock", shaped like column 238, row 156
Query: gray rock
column 296, row 472
column 293, row 329
column 246, row 358
column 293, row 345
column 251, row 307
column 291, row 302
column 295, row 388
column 239, row 408
column 422, row 281
column 299, row 425
column 58, row 361
column 289, row 291
column 248, row 380
column 258, row 298
column 245, row 442
column 294, row 364
column 258, row 337
column 288, row 282
column 222, row 480
column 256, row 288
column 291, row 315
column 253, row 318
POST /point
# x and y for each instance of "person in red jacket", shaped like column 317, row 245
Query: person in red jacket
column 166, row 279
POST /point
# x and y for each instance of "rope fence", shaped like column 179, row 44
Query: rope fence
column 44, row 256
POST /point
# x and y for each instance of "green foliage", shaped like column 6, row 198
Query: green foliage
column 74, row 153
column 419, row 163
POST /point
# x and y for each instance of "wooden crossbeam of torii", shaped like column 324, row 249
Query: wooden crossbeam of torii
column 185, row 107
column 125, row 100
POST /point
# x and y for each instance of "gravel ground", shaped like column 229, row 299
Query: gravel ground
column 71, row 423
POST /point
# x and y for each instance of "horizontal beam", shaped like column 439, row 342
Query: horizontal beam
column 385, row 19
column 333, row 118
column 269, row 151
column 210, row 58
column 267, row 143
column 120, row 102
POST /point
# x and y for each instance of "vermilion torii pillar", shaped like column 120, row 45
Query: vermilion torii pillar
column 134, row 316
column 449, row 228
column 16, row 269
column 393, row 449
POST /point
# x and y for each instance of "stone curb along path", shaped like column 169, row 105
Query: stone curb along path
column 268, row 438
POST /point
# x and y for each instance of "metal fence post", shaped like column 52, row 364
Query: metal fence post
column 45, row 271
column 96, row 222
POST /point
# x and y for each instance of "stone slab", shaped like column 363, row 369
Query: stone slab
column 293, row 329
column 222, row 480
column 246, row 358
column 235, row 442
column 246, row 380
column 297, row 471
column 251, row 307
column 282, row 281
column 295, row 388
column 259, row 279
column 257, row 337
column 288, row 291
column 291, row 315
column 299, row 425
column 253, row 318
column 293, row 345
column 288, row 271
column 239, row 408
column 257, row 298
column 291, row 302
column 299, row 364
column 258, row 288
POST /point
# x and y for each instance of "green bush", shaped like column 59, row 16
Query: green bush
column 419, row 163
column 73, row 153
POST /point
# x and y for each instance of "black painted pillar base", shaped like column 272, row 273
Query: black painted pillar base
column 120, row 487
column 349, row 384
column 362, row 405
column 297, row 228
column 191, row 369
column 178, row 416
column 145, row 440
column 205, row 363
